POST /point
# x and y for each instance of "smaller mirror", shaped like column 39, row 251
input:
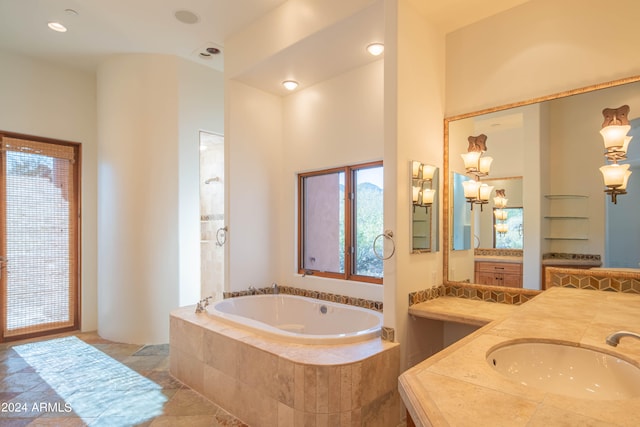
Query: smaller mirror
column 424, row 216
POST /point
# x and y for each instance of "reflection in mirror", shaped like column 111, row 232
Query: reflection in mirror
column 461, row 215
column 424, row 224
column 553, row 147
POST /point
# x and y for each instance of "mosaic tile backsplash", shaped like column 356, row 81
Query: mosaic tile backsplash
column 475, row 292
column 568, row 256
column 598, row 280
column 497, row 252
column 325, row 296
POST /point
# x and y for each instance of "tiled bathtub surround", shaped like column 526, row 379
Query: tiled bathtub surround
column 599, row 280
column 266, row 382
column 474, row 292
column 342, row 299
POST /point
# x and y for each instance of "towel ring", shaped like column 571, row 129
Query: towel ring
column 221, row 234
column 388, row 234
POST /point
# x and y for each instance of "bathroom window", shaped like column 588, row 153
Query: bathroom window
column 511, row 235
column 340, row 216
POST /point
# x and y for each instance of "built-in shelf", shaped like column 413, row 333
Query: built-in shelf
column 567, row 216
column 566, row 238
column 565, row 196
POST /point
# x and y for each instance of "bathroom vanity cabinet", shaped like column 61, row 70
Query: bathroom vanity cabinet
column 508, row 274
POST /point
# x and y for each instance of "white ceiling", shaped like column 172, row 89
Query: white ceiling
column 105, row 27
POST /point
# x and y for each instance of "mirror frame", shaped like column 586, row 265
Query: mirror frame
column 446, row 190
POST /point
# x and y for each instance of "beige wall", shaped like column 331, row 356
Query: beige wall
column 44, row 99
column 414, row 105
column 253, row 136
column 540, row 48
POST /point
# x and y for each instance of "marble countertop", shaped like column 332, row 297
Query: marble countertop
column 458, row 387
column 562, row 261
column 462, row 310
column 498, row 258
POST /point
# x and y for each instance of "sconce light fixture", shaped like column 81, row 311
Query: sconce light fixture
column 500, row 202
column 616, row 143
column 421, row 175
column 477, row 166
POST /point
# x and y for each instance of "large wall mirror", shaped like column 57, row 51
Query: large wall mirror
column 546, row 157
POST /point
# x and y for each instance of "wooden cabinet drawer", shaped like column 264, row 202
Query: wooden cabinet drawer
column 499, row 267
column 498, row 274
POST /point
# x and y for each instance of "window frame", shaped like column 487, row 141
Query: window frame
column 349, row 224
column 495, row 233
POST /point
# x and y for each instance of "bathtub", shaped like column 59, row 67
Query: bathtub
column 298, row 319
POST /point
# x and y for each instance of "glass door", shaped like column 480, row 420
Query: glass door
column 39, row 237
column 213, row 231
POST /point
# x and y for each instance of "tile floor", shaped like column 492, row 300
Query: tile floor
column 84, row 380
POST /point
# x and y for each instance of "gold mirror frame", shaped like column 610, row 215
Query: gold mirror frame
column 446, row 190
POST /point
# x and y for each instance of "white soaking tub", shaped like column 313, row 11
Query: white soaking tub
column 299, row 319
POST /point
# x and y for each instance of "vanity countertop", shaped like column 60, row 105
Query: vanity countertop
column 582, row 262
column 458, row 387
column 461, row 310
column 498, row 258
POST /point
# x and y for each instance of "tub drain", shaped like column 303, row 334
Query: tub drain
column 323, row 309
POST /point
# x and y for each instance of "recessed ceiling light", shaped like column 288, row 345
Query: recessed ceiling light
column 71, row 12
column 290, row 84
column 56, row 26
column 186, row 16
column 375, row 49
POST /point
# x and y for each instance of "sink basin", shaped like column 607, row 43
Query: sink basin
column 567, row 370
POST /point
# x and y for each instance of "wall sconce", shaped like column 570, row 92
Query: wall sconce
column 423, row 195
column 616, row 143
column 477, row 193
column 477, row 166
column 500, row 202
column 474, row 162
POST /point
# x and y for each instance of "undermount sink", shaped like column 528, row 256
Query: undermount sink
column 567, row 370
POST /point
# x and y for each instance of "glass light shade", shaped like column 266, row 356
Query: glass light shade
column 614, row 175
column 500, row 214
column 485, row 164
column 415, row 169
column 502, row 228
column 614, row 135
column 625, row 180
column 625, row 144
column 428, row 171
column 471, row 160
column 416, row 194
column 500, row 202
column 485, row 192
column 470, row 189
column 427, row 196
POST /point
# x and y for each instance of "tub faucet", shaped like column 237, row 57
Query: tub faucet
column 276, row 289
column 614, row 338
column 202, row 305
